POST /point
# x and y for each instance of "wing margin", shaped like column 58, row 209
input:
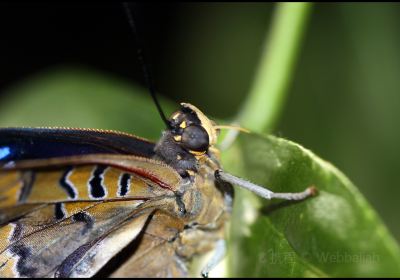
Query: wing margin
column 39, row 143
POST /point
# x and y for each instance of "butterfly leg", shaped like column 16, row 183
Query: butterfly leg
column 220, row 252
column 261, row 191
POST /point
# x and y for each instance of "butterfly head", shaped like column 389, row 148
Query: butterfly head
column 192, row 130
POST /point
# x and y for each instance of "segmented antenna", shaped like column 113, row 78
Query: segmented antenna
column 146, row 71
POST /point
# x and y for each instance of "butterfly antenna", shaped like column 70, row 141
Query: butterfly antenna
column 233, row 127
column 146, row 71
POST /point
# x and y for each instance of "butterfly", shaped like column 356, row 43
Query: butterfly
column 79, row 202
column 87, row 202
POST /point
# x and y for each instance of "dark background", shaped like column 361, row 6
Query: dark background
column 39, row 36
column 343, row 102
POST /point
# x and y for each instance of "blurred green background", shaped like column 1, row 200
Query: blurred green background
column 343, row 101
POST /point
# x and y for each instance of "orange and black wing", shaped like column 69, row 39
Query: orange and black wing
column 69, row 215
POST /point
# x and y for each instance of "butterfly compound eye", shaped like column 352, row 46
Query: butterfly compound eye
column 195, row 138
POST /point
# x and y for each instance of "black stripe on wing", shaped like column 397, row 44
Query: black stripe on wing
column 97, row 189
column 123, row 184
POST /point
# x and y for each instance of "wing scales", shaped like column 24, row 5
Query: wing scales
column 40, row 253
column 69, row 215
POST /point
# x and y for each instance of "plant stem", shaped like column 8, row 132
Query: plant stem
column 264, row 103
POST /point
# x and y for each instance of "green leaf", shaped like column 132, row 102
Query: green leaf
column 335, row 234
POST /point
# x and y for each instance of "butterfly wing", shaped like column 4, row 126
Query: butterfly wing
column 156, row 254
column 107, row 205
column 47, row 250
column 69, row 216
column 41, row 143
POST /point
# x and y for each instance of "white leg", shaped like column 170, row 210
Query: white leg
column 261, row 191
column 220, row 251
